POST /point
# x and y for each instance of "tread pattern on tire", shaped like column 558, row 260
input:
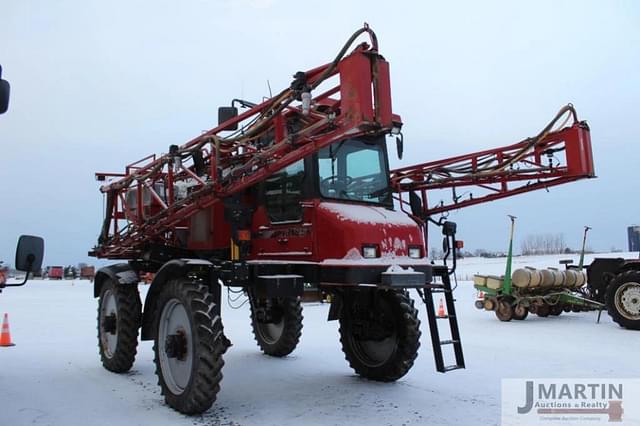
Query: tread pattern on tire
column 129, row 316
column 616, row 282
column 210, row 344
column 408, row 341
column 288, row 341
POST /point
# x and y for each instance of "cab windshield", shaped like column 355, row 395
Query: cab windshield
column 355, row 170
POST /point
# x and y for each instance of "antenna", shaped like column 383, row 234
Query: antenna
column 269, row 86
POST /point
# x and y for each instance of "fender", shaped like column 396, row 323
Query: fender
column 173, row 269
column 121, row 273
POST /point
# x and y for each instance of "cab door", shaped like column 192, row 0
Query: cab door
column 282, row 224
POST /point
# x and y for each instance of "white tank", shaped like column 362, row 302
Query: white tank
column 558, row 277
column 548, row 278
column 571, row 278
column 526, row 277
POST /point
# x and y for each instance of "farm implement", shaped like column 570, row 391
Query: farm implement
column 611, row 284
column 296, row 192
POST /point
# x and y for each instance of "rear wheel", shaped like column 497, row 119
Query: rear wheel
column 119, row 313
column 543, row 310
column 556, row 309
column 520, row 312
column 277, row 324
column 623, row 299
column 504, row 310
column 380, row 333
column 188, row 347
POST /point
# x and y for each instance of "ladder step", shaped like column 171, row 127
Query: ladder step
column 434, row 285
column 452, row 367
column 446, row 317
column 449, row 342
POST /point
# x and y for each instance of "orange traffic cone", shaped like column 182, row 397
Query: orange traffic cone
column 441, row 312
column 5, row 335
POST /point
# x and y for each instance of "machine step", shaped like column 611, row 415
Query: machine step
column 427, row 297
column 451, row 368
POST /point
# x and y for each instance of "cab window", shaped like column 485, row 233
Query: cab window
column 283, row 193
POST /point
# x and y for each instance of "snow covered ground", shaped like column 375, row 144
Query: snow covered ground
column 53, row 375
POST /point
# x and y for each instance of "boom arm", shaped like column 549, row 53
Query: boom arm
column 551, row 158
column 272, row 135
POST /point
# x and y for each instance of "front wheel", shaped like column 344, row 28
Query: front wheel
column 380, row 334
column 623, row 299
column 277, row 324
column 119, row 313
column 188, row 347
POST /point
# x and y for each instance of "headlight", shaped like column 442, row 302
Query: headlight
column 369, row 252
column 415, row 252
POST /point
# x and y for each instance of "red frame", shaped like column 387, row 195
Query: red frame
column 529, row 172
column 364, row 107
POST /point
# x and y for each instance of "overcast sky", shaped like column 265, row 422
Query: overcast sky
column 96, row 85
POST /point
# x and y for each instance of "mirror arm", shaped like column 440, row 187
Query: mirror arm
column 30, row 259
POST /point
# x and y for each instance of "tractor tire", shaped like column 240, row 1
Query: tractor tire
column 520, row 313
column 543, row 310
column 479, row 304
column 280, row 337
column 622, row 299
column 188, row 347
column 555, row 310
column 504, row 310
column 119, row 317
column 391, row 354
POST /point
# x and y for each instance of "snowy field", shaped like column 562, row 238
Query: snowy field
column 53, row 375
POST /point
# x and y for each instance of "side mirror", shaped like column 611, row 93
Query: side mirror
column 226, row 114
column 400, row 145
column 449, row 228
column 416, row 204
column 4, row 94
column 29, row 253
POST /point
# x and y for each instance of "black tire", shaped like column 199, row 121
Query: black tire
column 520, row 313
column 281, row 337
column 397, row 312
column 202, row 333
column 622, row 299
column 119, row 316
column 556, row 309
column 543, row 310
column 504, row 310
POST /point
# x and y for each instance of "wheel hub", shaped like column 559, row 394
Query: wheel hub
column 629, row 297
column 175, row 345
column 175, row 338
column 109, row 323
column 372, row 330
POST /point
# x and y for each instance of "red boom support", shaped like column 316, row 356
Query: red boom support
column 551, row 158
column 275, row 134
